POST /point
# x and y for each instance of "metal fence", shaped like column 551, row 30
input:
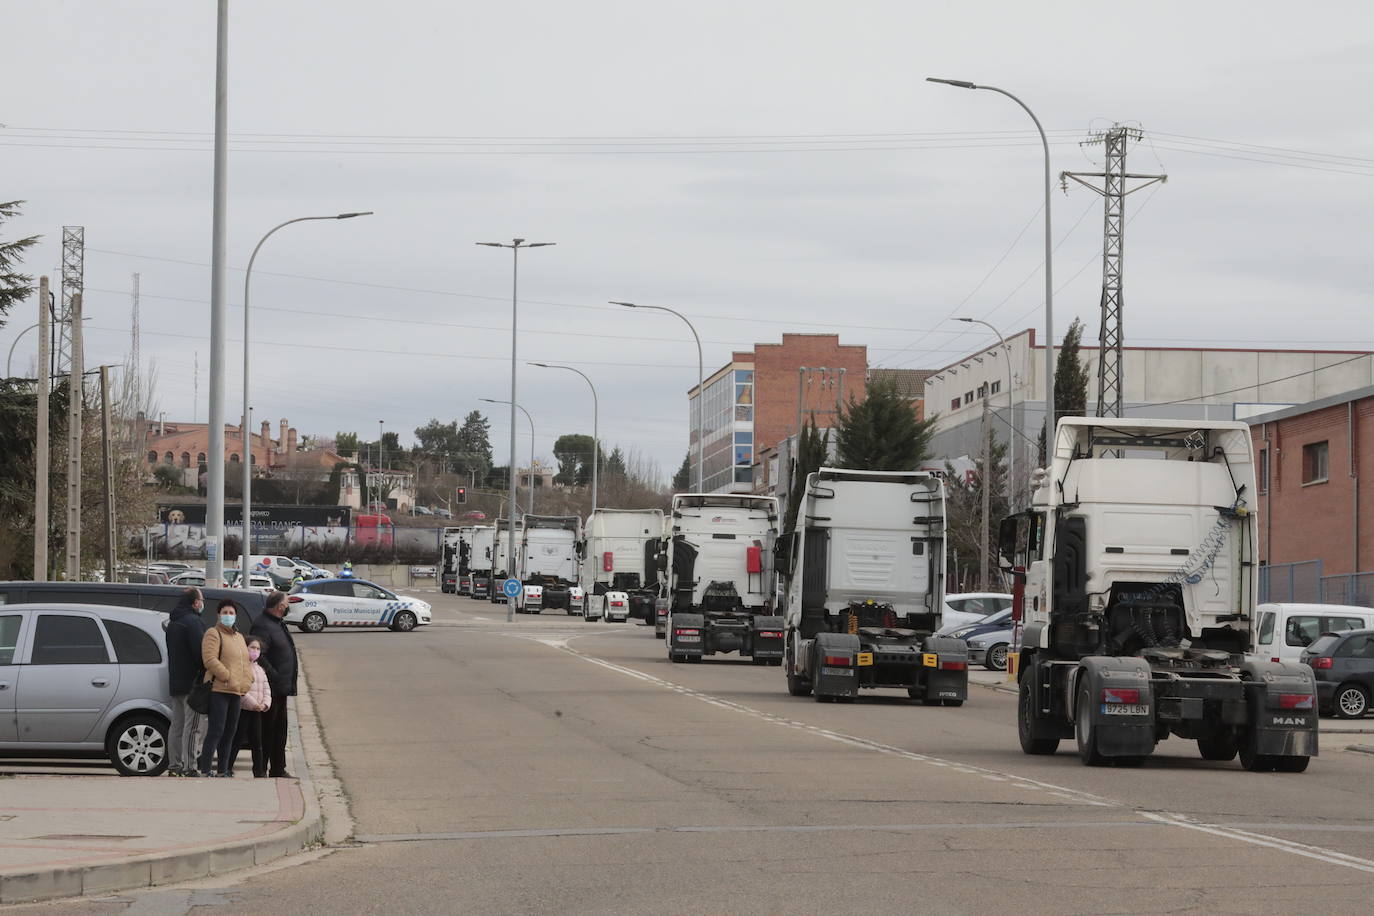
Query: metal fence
column 1296, row 583
column 1353, row 588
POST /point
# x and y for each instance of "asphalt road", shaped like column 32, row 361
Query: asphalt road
column 558, row 766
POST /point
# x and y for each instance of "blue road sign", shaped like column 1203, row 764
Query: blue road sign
column 511, row 587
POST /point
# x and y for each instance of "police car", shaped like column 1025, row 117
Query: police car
column 321, row 603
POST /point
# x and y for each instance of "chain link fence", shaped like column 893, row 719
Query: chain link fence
column 1291, row 583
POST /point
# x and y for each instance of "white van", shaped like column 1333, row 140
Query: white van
column 1282, row 631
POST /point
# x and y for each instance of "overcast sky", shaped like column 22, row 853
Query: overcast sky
column 760, row 166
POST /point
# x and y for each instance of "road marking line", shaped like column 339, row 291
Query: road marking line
column 1329, row 856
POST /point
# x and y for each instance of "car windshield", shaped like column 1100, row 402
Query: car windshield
column 1322, row 645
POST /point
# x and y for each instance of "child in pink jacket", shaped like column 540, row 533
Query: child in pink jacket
column 255, row 702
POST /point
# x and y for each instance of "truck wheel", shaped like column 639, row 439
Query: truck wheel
column 1217, row 747
column 1291, row 764
column 954, row 703
column 1352, row 702
column 797, row 686
column 1256, row 763
column 1025, row 723
column 996, row 659
column 931, row 701
column 1083, row 730
column 693, row 659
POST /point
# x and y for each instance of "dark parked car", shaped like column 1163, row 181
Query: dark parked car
column 250, row 604
column 1343, row 664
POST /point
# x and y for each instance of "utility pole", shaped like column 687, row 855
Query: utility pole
column 985, row 485
column 74, row 391
column 1114, row 192
column 214, row 487
column 41, row 459
column 107, row 465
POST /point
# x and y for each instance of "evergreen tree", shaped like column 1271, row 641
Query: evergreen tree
column 881, row 433
column 474, row 446
column 614, row 466
column 573, row 452
column 682, row 480
column 1070, row 381
column 14, row 286
column 964, row 516
column 435, row 439
column 346, row 443
column 812, row 448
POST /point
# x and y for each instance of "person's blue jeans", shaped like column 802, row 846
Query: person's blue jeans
column 219, row 736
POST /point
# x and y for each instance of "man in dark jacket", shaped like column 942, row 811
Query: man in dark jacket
column 185, row 631
column 278, row 660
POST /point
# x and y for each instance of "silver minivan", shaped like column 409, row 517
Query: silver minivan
column 84, row 680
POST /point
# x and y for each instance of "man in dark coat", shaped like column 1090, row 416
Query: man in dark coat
column 278, row 659
column 185, row 631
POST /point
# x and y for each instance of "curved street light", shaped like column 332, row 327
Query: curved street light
column 701, row 392
column 9, row 359
column 1049, row 259
column 531, row 419
column 596, row 409
column 247, row 433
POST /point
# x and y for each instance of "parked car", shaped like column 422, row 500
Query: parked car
column 421, row 510
column 196, row 578
column 968, row 608
column 988, row 640
column 475, row 515
column 84, row 680
column 1284, row 630
column 258, row 583
column 442, row 513
column 1343, row 664
column 147, row 577
column 162, row 598
column 353, row 603
column 310, row 570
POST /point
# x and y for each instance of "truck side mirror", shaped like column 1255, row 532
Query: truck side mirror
column 1006, row 540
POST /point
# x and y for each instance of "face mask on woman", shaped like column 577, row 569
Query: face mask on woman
column 228, row 619
column 253, row 653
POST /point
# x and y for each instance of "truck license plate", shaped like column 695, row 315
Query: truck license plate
column 1125, row 709
column 842, row 672
column 689, row 639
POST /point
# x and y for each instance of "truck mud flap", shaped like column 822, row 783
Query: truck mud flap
column 1282, row 702
column 944, row 668
column 686, row 634
column 766, row 637
column 1121, row 705
column 834, row 665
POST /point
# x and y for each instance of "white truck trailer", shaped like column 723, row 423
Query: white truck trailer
column 622, row 555
column 864, row 576
column 721, row 581
column 550, row 557
column 450, row 559
column 1135, row 571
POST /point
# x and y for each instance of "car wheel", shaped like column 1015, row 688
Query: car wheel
column 313, row 622
column 996, row 659
column 1352, row 702
column 137, row 745
column 404, row 622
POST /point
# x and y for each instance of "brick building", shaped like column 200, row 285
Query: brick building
column 761, row 397
column 1310, row 461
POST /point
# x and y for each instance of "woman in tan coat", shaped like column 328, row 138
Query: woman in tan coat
column 227, row 665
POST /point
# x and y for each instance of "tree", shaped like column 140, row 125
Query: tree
column 964, row 516
column 573, row 452
column 812, row 449
column 14, row 286
column 1070, row 381
column 435, row 438
column 614, row 466
column 346, row 443
column 881, row 433
column 682, row 480
column 473, row 454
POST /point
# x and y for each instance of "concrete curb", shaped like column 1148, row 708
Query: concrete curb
column 27, row 886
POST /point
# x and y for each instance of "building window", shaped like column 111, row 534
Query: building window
column 152, row 457
column 186, row 459
column 1263, row 470
column 996, row 387
column 167, row 458
column 954, row 404
column 983, row 390
column 968, row 397
column 200, row 459
column 234, row 457
column 1314, row 462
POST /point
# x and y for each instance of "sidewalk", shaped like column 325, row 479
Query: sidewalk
column 1326, row 725
column 67, row 836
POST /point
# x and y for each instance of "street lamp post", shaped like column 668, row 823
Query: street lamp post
column 515, row 245
column 1049, row 260
column 247, row 433
column 531, row 421
column 701, row 392
column 1011, row 415
column 10, row 359
column 596, row 409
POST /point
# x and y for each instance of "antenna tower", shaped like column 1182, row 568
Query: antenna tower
column 73, row 281
column 1114, row 191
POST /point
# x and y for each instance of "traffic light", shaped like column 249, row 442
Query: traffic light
column 462, row 495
